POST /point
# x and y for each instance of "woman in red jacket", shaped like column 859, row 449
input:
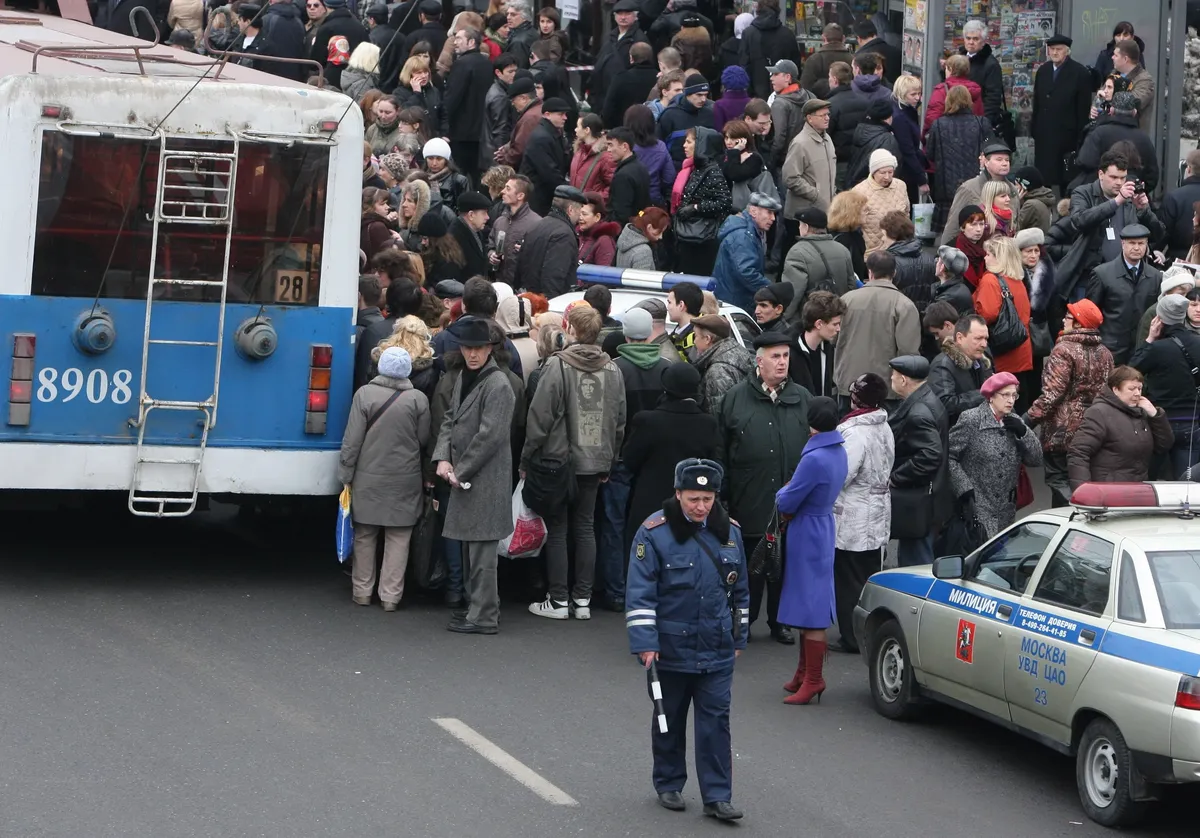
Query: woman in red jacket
column 1003, row 261
column 597, row 237
column 958, row 72
column 591, row 166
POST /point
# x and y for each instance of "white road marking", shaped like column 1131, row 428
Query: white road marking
column 506, row 762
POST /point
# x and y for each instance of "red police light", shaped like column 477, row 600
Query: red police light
column 318, row 401
column 1188, row 696
column 20, row 392
column 1115, row 496
column 24, row 345
column 322, row 355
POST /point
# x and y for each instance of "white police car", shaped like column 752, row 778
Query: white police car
column 1078, row 627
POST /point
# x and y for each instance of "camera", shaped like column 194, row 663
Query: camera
column 1139, row 187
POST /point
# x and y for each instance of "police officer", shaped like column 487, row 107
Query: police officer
column 687, row 607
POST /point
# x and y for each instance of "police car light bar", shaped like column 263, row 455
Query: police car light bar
column 634, row 278
column 1100, row 498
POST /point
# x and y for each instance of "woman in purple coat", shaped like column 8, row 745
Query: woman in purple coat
column 807, row 600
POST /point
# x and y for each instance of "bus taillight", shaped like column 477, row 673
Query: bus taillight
column 20, row 381
column 316, row 409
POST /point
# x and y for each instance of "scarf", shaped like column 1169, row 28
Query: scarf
column 1001, row 213
column 389, row 127
column 681, row 180
column 859, row 411
column 975, row 256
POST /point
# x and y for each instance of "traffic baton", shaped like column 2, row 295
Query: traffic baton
column 656, row 694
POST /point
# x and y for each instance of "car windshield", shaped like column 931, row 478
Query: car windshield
column 1177, row 577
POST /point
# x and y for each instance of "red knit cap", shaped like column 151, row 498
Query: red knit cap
column 1087, row 315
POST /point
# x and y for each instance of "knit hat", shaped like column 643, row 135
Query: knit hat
column 1029, row 237
column 437, row 147
column 881, row 158
column 734, row 77
column 1028, row 177
column 432, row 225
column 776, row 293
column 868, row 390
column 996, row 383
column 741, row 23
column 1126, row 102
column 954, row 260
column 1172, row 309
column 1175, row 276
column 637, row 324
column 879, row 110
column 695, row 83
column 681, row 381
column 396, row 165
column 967, row 213
column 1087, row 314
column 823, row 414
column 335, row 4
column 395, row 363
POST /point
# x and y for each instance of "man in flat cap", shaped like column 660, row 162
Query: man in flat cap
column 740, row 267
column 720, row 359
column 687, row 605
column 1062, row 98
column 550, row 253
column 995, row 162
column 921, row 492
column 545, row 159
column 1123, row 288
column 763, row 423
column 815, row 262
column 809, row 165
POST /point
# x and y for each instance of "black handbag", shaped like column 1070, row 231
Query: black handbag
column 1008, row 332
column 912, row 511
column 424, row 568
column 694, row 228
column 767, row 559
column 1039, row 333
column 963, row 534
column 550, row 484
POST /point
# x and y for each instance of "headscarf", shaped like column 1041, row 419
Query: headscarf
column 741, row 23
column 868, row 392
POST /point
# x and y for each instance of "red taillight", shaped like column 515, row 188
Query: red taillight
column 318, row 401
column 1188, row 696
column 322, row 355
column 328, row 126
column 24, row 345
column 52, row 111
column 20, row 392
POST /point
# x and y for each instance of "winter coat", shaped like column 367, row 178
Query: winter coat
column 707, row 189
column 1122, row 296
column 1169, row 381
column 985, row 458
column 375, row 234
column 1078, row 242
column 281, row 34
column 1037, row 209
column 1177, row 213
column 914, row 272
column 356, row 83
column 695, row 50
column 433, row 32
column 629, row 192
column 815, row 74
column 545, row 164
column 762, row 441
column 809, row 172
column 449, row 185
column 863, row 511
column 189, row 15
column 630, row 87
column 844, row 116
column 366, row 317
column 906, row 126
column 1073, row 375
column 765, row 41
column 1103, row 68
column 633, row 250
column 811, row 368
column 967, row 194
column 1141, row 85
column 593, row 402
column 1061, row 105
column 658, row 439
column 660, row 167
column 741, row 256
column 1106, row 132
column 467, row 87
column 936, row 108
column 381, row 35
column 598, row 245
column 985, row 72
column 382, row 139
column 729, row 107
column 988, row 300
column 868, row 138
column 515, row 228
column 956, row 379
column 642, row 367
column 853, row 241
column 549, row 256
column 816, row 263
column 880, row 201
column 591, row 170
column 723, row 365
column 1115, row 443
column 956, row 292
column 338, row 23
column 520, row 42
column 738, row 171
column 675, row 121
column 953, row 145
column 611, row 61
column 891, row 56
column 526, row 121
column 496, row 123
column 880, row 323
column 383, row 466
column 787, row 120
column 475, row 438
column 922, row 437
column 666, row 26
column 472, row 248
column 806, row 599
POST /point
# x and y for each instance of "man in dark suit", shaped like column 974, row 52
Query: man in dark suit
column 1062, row 97
column 467, row 86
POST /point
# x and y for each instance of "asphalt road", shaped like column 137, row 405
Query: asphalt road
column 212, row 678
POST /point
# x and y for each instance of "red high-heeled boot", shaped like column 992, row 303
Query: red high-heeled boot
column 814, row 682
column 794, row 684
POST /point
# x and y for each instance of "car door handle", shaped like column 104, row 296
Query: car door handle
column 1004, row 611
column 1087, row 636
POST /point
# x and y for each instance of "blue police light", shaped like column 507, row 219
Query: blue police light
column 634, row 278
column 94, row 332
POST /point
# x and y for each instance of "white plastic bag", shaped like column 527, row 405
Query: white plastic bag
column 922, row 217
column 529, row 530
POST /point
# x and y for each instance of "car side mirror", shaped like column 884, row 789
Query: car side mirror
column 948, row 567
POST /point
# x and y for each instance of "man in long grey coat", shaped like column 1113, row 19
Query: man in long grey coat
column 474, row 457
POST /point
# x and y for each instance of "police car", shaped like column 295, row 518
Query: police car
column 1078, row 627
column 630, row 286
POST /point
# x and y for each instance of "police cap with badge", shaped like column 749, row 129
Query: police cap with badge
column 696, row 475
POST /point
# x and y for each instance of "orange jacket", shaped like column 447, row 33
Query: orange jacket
column 987, row 299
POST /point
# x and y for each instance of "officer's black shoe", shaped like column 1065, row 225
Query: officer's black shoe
column 723, row 811
column 672, row 800
column 783, row 634
column 464, row 627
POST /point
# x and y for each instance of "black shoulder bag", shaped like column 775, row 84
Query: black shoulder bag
column 727, row 583
column 1187, row 356
column 1008, row 332
column 374, row 417
column 767, row 558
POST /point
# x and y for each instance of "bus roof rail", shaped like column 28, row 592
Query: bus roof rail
column 639, row 279
column 226, row 54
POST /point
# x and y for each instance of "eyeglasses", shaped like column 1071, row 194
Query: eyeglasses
column 1011, row 397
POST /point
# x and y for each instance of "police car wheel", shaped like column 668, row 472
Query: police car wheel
column 1103, row 766
column 891, row 675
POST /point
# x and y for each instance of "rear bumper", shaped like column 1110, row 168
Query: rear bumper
column 1185, row 771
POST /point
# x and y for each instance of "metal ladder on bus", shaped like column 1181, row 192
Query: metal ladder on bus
column 203, row 201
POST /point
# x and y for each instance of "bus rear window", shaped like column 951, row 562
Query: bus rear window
column 95, row 220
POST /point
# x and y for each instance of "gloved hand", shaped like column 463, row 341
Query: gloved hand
column 685, row 212
column 1014, row 425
